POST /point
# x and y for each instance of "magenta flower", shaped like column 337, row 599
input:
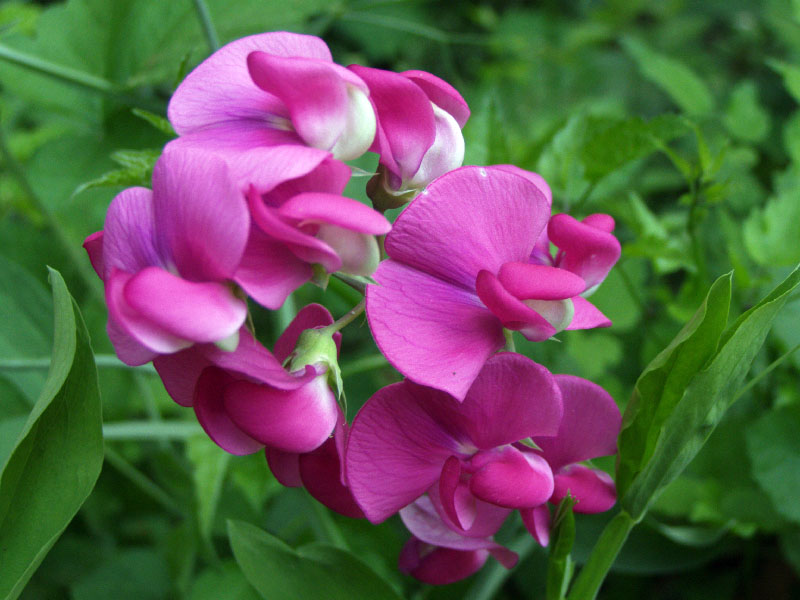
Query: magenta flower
column 589, row 429
column 245, row 400
column 419, row 127
column 409, row 439
column 168, row 258
column 438, row 555
column 274, row 89
column 459, row 272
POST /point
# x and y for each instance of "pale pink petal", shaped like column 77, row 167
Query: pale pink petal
column 586, row 250
column 93, row 244
column 310, row 316
column 512, row 399
column 196, row 312
column 396, row 449
column 312, row 90
column 129, row 233
column 431, row 331
column 512, row 479
column 269, row 271
column 527, row 281
column 590, row 425
column 441, row 93
column 467, row 220
column 587, row 316
column 212, row 416
column 405, row 119
column 220, row 89
column 445, row 154
column 537, row 522
column 511, row 311
column 293, row 421
column 201, row 216
column 336, row 210
column 594, row 490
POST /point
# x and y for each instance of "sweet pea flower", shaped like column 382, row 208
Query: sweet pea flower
column 589, row 429
column 169, row 258
column 459, row 273
column 437, row 555
column 410, row 439
column 586, row 248
column 274, row 89
column 246, row 400
column 419, row 131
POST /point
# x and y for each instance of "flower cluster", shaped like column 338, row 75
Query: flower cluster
column 247, row 204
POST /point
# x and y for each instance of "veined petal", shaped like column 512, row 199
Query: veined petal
column 314, row 93
column 293, row 421
column 201, row 216
column 590, row 425
column 220, row 89
column 467, row 220
column 594, row 490
column 433, row 332
column 534, row 178
column 396, row 449
column 512, row 479
column 212, row 416
column 129, row 233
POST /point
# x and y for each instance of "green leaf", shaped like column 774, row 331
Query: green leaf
column 767, row 229
column 58, row 455
column 130, row 574
column 790, row 74
column 313, row 571
column 745, row 118
column 559, row 563
column 210, row 468
column 224, row 582
column 137, row 170
column 156, row 121
column 773, row 444
column 663, row 382
column 706, row 399
column 681, row 84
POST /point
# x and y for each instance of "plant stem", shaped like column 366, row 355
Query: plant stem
column 603, row 554
column 365, row 363
column 509, row 347
column 208, row 26
column 348, row 317
column 749, row 385
column 150, row 430
column 354, row 282
column 108, row 361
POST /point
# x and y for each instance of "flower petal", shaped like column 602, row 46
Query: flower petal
column 512, row 479
column 310, row 316
column 540, row 282
column 285, row 466
column 456, row 500
column 127, row 348
column 396, row 449
column 441, row 93
column 320, row 472
column 201, row 216
column 439, row 566
column 336, row 210
column 534, row 178
column 511, row 311
column 129, row 233
column 594, row 490
column 469, row 219
column 433, row 332
column 422, row 520
column 93, row 244
column 537, row 522
column 587, row 316
column 180, row 371
column 587, row 251
column 590, row 425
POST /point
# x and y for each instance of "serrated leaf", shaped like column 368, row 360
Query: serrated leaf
column 137, row 170
column 680, row 83
column 661, row 386
column 706, row 399
column 278, row 572
column 58, row 455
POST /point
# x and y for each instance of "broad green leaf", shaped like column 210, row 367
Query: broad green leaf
column 791, row 76
column 210, row 469
column 681, row 84
column 226, row 582
column 791, row 137
column 773, row 444
column 58, row 455
column 745, row 118
column 320, row 571
column 663, row 382
column 706, row 399
column 130, row 574
column 767, row 229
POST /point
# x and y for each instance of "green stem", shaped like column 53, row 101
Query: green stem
column 348, row 317
column 150, row 430
column 605, row 551
column 141, row 481
column 509, row 347
column 108, row 361
column 365, row 363
column 754, row 381
column 208, row 26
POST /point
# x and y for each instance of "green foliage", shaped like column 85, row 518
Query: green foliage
column 312, row 571
column 58, row 455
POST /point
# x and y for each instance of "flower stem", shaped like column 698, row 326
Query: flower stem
column 603, row 554
column 348, row 317
column 208, row 26
column 509, row 347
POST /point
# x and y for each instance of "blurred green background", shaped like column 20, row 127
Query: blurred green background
column 678, row 118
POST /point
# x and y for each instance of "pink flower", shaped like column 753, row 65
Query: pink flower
column 459, row 272
column 274, row 89
column 419, row 129
column 438, row 555
column 408, row 440
column 245, row 400
column 589, row 429
column 168, row 259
